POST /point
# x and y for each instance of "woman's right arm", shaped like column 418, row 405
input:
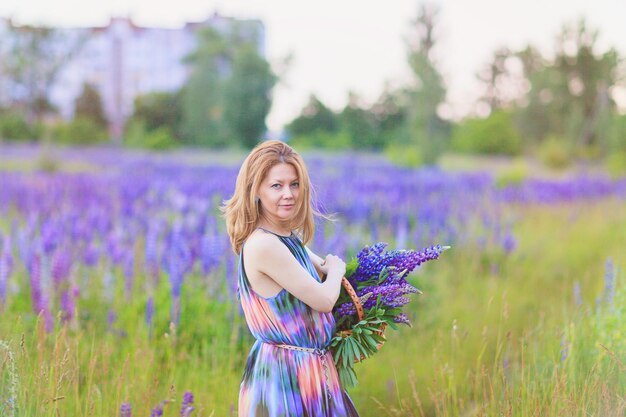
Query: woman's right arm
column 274, row 259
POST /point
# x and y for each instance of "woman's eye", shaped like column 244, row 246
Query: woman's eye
column 296, row 184
column 275, row 185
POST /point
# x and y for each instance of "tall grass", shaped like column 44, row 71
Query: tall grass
column 512, row 340
column 493, row 335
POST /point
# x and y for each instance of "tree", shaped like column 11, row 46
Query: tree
column 247, row 95
column 495, row 134
column 586, row 78
column 314, row 117
column 228, row 95
column 569, row 95
column 426, row 128
column 360, row 124
column 201, row 96
column 390, row 112
column 37, row 55
column 89, row 106
column 503, row 80
column 159, row 109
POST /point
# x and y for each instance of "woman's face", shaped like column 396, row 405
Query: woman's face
column 278, row 192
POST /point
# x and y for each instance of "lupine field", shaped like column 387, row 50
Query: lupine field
column 118, row 286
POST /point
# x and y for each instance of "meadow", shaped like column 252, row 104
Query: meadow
column 118, row 285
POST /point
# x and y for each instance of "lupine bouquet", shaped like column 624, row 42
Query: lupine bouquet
column 379, row 280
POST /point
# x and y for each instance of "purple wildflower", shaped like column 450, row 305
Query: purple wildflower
column 211, row 253
column 125, row 410
column 38, row 296
column 67, row 305
column 150, row 314
column 111, row 317
column 380, row 277
column 91, row 255
column 128, row 274
column 609, row 281
column 186, row 409
column 6, row 266
column 564, row 348
column 151, row 253
column 61, row 265
column 402, row 318
column 577, row 294
column 157, row 411
column 509, row 243
column 373, row 259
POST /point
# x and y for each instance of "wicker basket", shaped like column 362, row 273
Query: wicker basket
column 360, row 313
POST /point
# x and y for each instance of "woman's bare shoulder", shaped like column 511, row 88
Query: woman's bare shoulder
column 259, row 242
column 263, row 251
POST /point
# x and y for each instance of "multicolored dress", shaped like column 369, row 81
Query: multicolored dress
column 281, row 381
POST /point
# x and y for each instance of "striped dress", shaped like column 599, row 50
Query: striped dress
column 279, row 382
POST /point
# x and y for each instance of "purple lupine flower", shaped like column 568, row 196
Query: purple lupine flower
column 6, row 266
column 38, row 295
column 150, row 315
column 114, row 248
column 4, row 277
column 24, row 249
column 402, row 231
column 372, row 260
column 151, row 253
column 176, row 282
column 380, row 277
column 91, row 255
column 111, row 318
column 211, row 253
column 577, row 294
column 609, row 281
column 61, row 265
column 125, row 410
column 509, row 243
column 67, row 305
column 128, row 274
column 402, row 318
column 231, row 276
column 176, row 260
column 564, row 348
column 49, row 236
column 187, row 408
column 158, row 410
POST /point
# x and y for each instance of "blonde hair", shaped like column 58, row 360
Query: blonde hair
column 241, row 211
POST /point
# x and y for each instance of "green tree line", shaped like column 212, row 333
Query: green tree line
column 224, row 102
column 558, row 107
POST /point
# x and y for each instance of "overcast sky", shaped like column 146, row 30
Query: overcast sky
column 342, row 45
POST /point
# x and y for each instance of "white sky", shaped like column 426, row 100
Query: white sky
column 342, row 45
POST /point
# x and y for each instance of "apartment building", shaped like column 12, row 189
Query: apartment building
column 124, row 60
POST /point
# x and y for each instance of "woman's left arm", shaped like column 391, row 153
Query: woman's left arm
column 316, row 262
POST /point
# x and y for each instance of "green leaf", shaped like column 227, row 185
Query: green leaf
column 351, row 267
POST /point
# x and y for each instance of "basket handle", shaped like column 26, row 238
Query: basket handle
column 355, row 298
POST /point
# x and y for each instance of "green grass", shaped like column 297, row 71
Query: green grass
column 486, row 341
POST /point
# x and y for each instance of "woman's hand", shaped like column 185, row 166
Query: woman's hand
column 333, row 263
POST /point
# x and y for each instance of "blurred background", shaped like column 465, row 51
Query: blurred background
column 486, row 78
column 495, row 127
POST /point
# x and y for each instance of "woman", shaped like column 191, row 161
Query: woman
column 288, row 307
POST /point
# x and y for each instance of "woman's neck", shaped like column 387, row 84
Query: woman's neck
column 281, row 229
